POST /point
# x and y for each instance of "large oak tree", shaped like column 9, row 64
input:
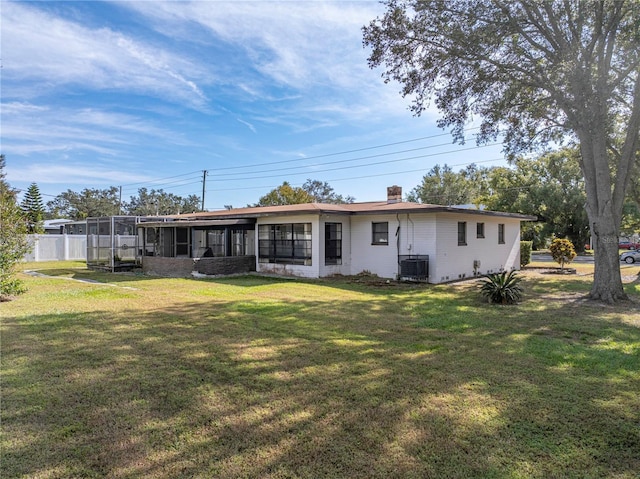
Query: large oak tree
column 541, row 71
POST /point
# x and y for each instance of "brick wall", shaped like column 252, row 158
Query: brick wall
column 182, row 267
column 226, row 265
column 170, row 267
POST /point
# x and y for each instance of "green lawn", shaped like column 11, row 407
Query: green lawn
column 252, row 377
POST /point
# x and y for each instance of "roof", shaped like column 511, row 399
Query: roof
column 373, row 207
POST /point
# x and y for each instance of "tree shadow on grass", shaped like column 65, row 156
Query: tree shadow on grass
column 402, row 385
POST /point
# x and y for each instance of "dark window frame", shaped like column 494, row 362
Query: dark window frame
column 380, row 233
column 480, row 230
column 285, row 243
column 501, row 230
column 332, row 243
column 462, row 233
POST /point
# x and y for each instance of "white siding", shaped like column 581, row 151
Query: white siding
column 432, row 234
column 453, row 262
column 377, row 259
column 345, row 267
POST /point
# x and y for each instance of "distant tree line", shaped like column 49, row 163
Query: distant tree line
column 92, row 202
column 550, row 187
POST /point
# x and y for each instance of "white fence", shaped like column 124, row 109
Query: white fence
column 57, row 248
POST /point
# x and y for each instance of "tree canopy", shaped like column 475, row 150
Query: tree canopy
column 539, row 71
column 158, row 202
column 443, row 186
column 13, row 238
column 90, row 202
column 313, row 191
column 549, row 186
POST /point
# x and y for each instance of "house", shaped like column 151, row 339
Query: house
column 55, row 226
column 392, row 239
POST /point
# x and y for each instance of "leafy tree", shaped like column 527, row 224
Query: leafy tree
column 321, row 192
column 542, row 71
column 285, row 194
column 88, row 203
column 13, row 238
column 562, row 251
column 158, row 202
column 551, row 187
column 33, row 209
column 442, row 186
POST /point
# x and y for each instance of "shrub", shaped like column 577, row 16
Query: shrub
column 525, row 252
column 502, row 288
column 562, row 251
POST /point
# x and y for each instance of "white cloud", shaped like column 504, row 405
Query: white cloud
column 247, row 124
column 72, row 174
column 40, row 128
column 294, row 43
column 56, row 52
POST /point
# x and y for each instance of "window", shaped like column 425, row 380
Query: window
column 462, row 233
column 380, row 233
column 480, row 230
column 285, row 243
column 501, row 233
column 333, row 243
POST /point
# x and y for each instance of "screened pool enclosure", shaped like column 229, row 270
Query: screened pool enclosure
column 113, row 242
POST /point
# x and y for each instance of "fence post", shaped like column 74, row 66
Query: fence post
column 36, row 248
column 66, row 246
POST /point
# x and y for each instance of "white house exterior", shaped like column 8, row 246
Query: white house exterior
column 390, row 239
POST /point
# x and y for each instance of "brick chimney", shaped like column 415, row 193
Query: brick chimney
column 394, row 194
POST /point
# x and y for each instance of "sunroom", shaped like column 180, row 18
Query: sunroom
column 207, row 247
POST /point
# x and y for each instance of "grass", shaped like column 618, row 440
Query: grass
column 251, row 377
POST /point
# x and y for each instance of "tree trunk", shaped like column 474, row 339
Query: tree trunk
column 604, row 214
column 607, row 282
column 604, row 209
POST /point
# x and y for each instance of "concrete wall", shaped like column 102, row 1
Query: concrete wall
column 381, row 259
column 345, row 267
column 452, row 261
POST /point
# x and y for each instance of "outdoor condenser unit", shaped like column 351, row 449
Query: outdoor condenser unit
column 414, row 267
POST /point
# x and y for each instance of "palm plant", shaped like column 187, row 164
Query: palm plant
column 502, row 288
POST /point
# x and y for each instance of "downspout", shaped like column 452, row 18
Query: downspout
column 398, row 246
column 413, row 233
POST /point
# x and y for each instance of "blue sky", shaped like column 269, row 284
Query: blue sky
column 150, row 94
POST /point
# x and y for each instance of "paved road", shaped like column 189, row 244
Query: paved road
column 547, row 257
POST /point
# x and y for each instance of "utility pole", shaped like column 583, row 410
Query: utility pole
column 120, row 202
column 204, row 183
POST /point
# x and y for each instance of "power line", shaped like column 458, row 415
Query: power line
column 347, row 160
column 360, row 177
column 341, row 152
column 397, row 160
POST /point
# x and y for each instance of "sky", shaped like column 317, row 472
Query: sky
column 152, row 94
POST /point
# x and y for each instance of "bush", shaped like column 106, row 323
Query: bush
column 502, row 288
column 525, row 252
column 562, row 251
column 10, row 287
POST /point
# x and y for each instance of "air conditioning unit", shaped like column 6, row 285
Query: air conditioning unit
column 415, row 268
